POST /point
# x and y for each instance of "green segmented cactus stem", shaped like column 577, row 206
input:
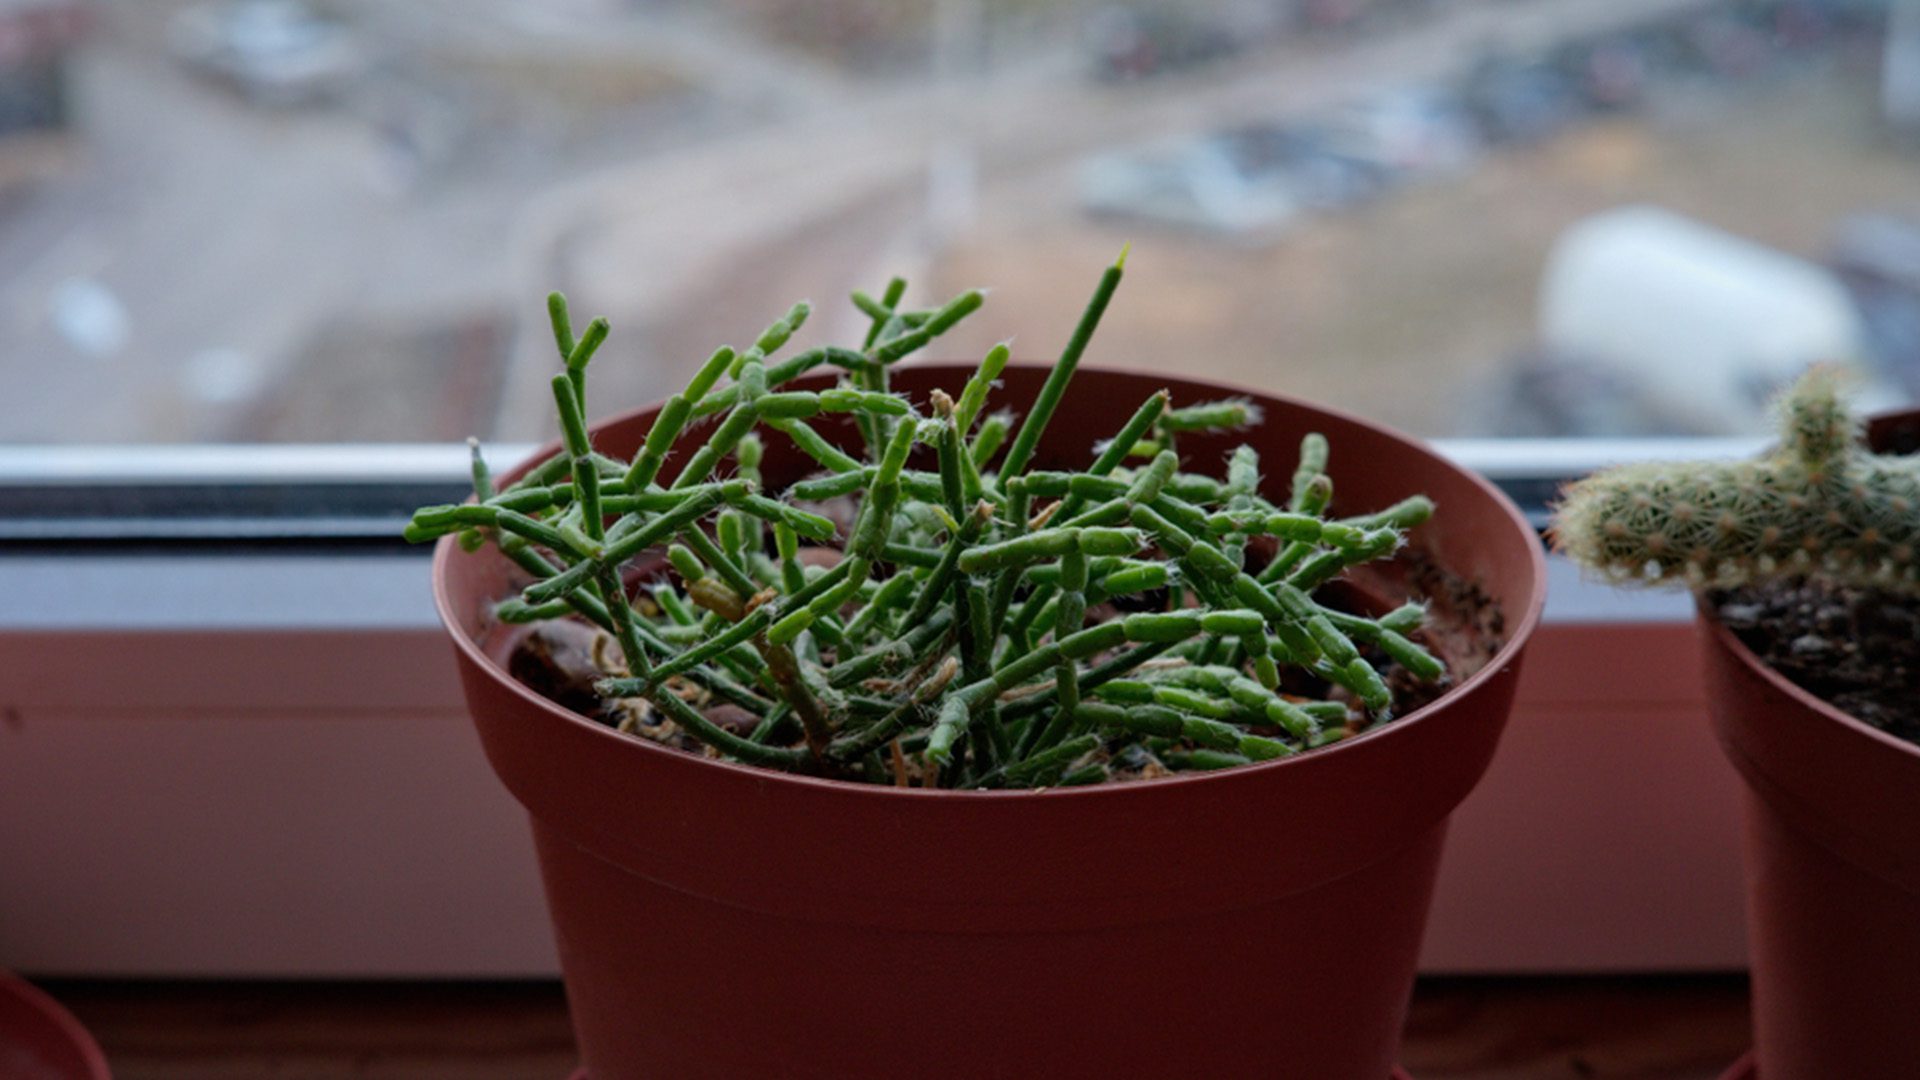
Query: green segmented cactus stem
column 1819, row 503
column 978, row 625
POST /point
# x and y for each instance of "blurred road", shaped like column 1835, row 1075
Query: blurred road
column 685, row 181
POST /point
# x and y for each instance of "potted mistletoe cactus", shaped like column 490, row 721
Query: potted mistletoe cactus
column 983, row 720
column 1808, row 581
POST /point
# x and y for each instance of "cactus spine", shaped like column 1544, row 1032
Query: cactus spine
column 1818, row 503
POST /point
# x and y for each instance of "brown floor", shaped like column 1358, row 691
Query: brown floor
column 1460, row 1029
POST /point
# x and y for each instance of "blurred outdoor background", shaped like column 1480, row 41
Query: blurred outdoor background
column 274, row 220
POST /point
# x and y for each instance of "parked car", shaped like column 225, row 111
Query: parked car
column 1515, row 99
column 1320, row 174
column 1730, row 45
column 1251, row 180
column 1710, row 322
column 1798, row 23
column 1332, row 14
column 276, row 53
column 1610, row 72
column 1131, row 43
column 1410, row 132
column 1195, row 184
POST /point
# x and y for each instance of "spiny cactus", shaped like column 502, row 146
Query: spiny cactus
column 981, row 625
column 1819, row 503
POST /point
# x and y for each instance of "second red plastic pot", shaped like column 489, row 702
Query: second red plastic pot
column 40, row 1040
column 1833, row 865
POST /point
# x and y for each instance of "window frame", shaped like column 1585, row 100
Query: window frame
column 327, row 493
column 151, row 537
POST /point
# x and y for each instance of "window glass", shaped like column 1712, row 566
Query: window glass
column 336, row 220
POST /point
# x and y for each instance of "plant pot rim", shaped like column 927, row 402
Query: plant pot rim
column 56, row 1021
column 1726, row 639
column 1520, row 626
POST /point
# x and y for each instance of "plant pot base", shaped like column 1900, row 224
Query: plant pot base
column 1744, row 1069
column 1398, row 1075
column 40, row 1040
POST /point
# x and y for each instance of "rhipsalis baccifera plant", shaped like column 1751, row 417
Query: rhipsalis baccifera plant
column 977, row 624
column 1819, row 503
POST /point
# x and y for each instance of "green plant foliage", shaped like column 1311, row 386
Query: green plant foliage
column 967, row 633
column 1818, row 503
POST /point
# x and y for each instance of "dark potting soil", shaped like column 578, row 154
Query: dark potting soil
column 1856, row 649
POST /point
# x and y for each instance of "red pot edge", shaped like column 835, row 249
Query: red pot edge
column 65, row 1025
column 1517, row 637
column 1726, row 640
column 1747, row 1068
column 1398, row 1074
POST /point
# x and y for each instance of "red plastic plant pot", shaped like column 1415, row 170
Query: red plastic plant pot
column 722, row 921
column 39, row 1040
column 1833, row 864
